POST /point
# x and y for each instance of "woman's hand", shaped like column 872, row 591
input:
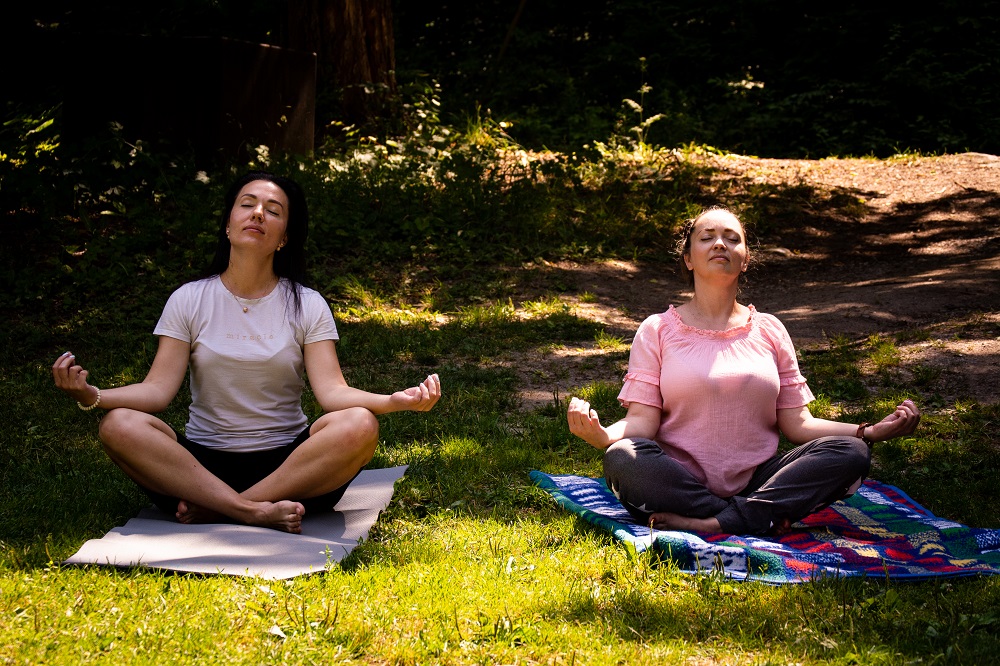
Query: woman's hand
column 901, row 422
column 418, row 398
column 72, row 379
column 585, row 424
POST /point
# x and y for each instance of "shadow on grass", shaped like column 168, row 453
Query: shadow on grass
column 852, row 619
column 916, row 265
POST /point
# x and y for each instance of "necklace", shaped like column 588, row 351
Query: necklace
column 245, row 308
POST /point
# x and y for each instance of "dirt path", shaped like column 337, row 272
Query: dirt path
column 906, row 246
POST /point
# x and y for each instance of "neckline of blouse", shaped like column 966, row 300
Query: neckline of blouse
column 717, row 335
column 251, row 301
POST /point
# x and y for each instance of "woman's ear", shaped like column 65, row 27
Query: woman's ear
column 687, row 260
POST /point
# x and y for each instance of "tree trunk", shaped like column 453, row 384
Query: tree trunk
column 354, row 45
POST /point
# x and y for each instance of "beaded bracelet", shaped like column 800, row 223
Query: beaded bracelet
column 87, row 408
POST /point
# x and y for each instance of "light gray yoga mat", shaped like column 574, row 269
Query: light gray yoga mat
column 156, row 540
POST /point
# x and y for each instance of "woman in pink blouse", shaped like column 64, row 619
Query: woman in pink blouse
column 710, row 385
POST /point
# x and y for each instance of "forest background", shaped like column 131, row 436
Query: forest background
column 769, row 77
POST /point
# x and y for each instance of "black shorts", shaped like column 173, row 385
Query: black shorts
column 241, row 470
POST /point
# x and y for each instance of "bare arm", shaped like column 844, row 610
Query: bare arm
column 640, row 421
column 152, row 394
column 333, row 394
column 800, row 426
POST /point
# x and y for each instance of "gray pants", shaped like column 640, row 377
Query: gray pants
column 787, row 486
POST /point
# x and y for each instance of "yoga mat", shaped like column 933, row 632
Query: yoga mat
column 878, row 532
column 156, row 540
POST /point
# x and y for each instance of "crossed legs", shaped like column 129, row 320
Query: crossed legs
column 657, row 489
column 338, row 446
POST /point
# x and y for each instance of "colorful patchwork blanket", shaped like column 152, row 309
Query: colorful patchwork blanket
column 878, row 532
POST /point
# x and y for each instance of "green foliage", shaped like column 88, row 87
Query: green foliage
column 769, row 78
column 104, row 230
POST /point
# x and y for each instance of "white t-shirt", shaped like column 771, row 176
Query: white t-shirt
column 247, row 369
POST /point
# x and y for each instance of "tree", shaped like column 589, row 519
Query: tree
column 353, row 41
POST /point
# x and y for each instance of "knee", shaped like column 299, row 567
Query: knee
column 356, row 425
column 617, row 458
column 363, row 423
column 620, row 460
column 858, row 455
column 853, row 456
column 115, row 427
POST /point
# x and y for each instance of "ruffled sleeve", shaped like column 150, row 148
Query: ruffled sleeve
column 642, row 381
column 793, row 391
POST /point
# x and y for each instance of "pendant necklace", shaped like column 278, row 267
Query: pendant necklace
column 245, row 308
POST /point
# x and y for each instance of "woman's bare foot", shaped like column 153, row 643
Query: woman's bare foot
column 672, row 521
column 285, row 516
column 190, row 513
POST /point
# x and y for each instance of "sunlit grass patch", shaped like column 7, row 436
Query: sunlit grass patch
column 603, row 396
column 950, row 463
column 610, row 343
column 471, row 563
column 545, row 307
column 823, row 407
column 489, row 314
column 883, row 352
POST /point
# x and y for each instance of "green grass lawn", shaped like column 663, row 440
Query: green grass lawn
column 471, row 563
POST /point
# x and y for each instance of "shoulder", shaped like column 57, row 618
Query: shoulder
column 192, row 292
column 652, row 327
column 774, row 333
column 768, row 323
column 311, row 299
column 196, row 287
column 660, row 321
column 308, row 293
column 654, row 330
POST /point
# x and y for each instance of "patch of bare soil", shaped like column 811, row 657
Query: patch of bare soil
column 906, row 247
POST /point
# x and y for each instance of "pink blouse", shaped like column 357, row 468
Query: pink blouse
column 719, row 392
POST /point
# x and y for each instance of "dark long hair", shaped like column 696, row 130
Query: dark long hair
column 290, row 262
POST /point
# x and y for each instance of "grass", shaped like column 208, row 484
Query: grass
column 470, row 563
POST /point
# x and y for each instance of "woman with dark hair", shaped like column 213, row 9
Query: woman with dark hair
column 710, row 385
column 248, row 331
